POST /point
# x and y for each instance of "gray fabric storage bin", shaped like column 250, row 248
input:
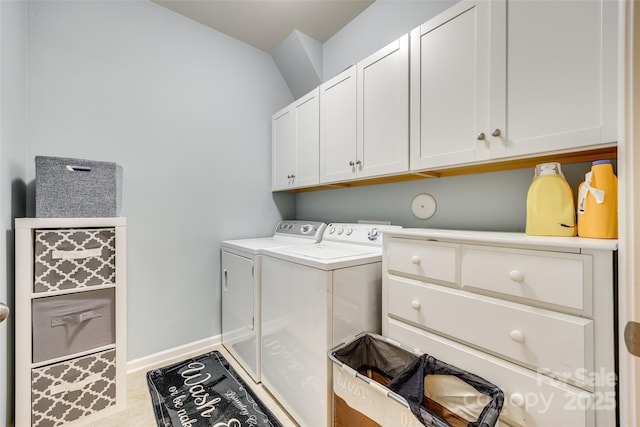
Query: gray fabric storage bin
column 68, row 324
column 74, row 258
column 72, row 188
column 73, row 389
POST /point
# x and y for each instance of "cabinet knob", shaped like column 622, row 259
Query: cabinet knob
column 517, row 399
column 351, row 163
column 358, row 162
column 415, row 304
column 516, row 275
column 415, row 259
column 481, row 136
column 496, row 132
column 517, row 336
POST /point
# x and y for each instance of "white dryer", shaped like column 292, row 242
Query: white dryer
column 241, row 291
column 315, row 297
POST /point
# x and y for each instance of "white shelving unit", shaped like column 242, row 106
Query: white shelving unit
column 70, row 299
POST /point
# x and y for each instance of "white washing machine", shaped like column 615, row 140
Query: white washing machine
column 315, row 297
column 240, row 267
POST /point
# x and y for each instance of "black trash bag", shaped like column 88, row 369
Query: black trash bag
column 410, row 385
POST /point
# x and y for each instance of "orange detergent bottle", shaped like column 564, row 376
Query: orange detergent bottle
column 598, row 202
column 550, row 207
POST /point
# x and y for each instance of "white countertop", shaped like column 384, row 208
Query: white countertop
column 504, row 238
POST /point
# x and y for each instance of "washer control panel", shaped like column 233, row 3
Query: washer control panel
column 297, row 228
column 370, row 234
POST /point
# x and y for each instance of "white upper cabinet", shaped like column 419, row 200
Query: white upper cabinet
column 295, row 144
column 338, row 127
column 446, row 91
column 505, row 79
column 364, row 117
column 560, row 60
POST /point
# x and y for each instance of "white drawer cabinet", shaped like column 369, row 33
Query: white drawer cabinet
column 534, row 315
column 70, row 297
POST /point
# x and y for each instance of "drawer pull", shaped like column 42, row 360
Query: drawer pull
column 517, row 399
column 517, row 336
column 516, row 275
column 415, row 259
column 415, row 305
column 86, row 253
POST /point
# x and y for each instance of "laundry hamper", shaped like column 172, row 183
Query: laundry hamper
column 377, row 382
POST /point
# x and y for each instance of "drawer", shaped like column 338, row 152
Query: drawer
column 74, row 258
column 73, row 389
column 530, row 399
column 540, row 277
column 539, row 339
column 67, row 324
column 431, row 260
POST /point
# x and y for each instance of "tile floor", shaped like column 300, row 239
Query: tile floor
column 139, row 412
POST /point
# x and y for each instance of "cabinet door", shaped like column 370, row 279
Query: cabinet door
column 307, row 131
column 283, row 140
column 383, row 111
column 449, row 85
column 559, row 89
column 338, row 127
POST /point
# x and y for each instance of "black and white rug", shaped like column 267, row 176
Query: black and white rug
column 205, row 391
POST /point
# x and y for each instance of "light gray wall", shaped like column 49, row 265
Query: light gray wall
column 489, row 201
column 378, row 25
column 12, row 176
column 187, row 112
column 299, row 59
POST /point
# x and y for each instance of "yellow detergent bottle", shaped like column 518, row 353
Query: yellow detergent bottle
column 550, row 207
column 598, row 202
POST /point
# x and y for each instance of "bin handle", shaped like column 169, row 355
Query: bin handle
column 72, row 168
column 78, row 385
column 75, row 318
column 83, row 253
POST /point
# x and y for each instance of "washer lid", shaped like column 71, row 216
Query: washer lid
column 326, row 251
column 254, row 246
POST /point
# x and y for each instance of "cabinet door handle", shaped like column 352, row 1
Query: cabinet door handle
column 415, row 304
column 516, row 275
column 496, row 132
column 415, row 259
column 481, row 136
column 224, row 279
column 517, row 336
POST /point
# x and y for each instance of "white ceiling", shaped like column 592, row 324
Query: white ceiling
column 266, row 23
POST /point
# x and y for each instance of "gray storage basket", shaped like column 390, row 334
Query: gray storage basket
column 73, row 188
column 72, row 323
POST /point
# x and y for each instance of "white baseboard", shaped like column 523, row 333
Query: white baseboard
column 173, row 354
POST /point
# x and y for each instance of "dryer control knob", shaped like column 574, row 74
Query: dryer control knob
column 340, row 231
column 373, row 234
column 349, row 231
column 332, row 230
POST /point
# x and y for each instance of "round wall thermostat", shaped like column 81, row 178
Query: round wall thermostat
column 423, row 206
